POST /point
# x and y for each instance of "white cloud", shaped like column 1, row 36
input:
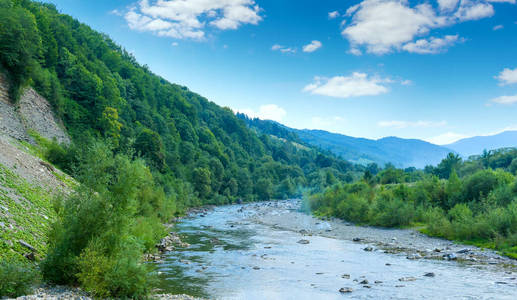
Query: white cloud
column 406, row 124
column 502, row 1
column 384, row 26
column 283, row 49
column 498, row 27
column 432, row 45
column 266, row 112
column 447, row 5
column 469, row 10
column 116, row 12
column 355, row 51
column 506, row 100
column 507, row 76
column 188, row 19
column 355, row 85
column 175, row 44
column 446, row 138
column 313, row 46
column 333, row 14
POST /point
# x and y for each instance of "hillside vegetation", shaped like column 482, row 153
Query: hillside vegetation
column 473, row 201
column 142, row 149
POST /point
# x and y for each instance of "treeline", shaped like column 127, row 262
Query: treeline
column 99, row 90
column 143, row 150
column 472, row 201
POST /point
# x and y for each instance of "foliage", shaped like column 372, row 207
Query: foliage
column 481, row 205
column 16, row 278
column 103, row 228
column 190, row 143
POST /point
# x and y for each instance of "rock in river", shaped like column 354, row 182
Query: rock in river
column 368, row 249
column 407, row 279
column 345, row 290
column 429, row 274
column 303, row 242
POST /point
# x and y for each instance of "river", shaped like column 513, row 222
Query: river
column 256, row 251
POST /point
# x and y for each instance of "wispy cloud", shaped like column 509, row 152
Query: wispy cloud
column 333, row 14
column 313, row 46
column 432, row 45
column 283, row 49
column 497, row 27
column 506, row 100
column 355, row 85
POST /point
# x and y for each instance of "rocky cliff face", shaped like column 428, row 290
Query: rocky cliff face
column 31, row 112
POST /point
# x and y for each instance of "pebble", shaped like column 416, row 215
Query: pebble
column 345, row 290
column 405, row 279
column 303, row 242
column 430, row 274
column 345, row 276
column 368, row 249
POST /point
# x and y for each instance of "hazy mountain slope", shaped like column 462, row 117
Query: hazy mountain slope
column 398, row 151
column 476, row 145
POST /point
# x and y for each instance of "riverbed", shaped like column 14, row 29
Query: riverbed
column 273, row 250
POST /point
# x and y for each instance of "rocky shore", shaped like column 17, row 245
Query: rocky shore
column 407, row 242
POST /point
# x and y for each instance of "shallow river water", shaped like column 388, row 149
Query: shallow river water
column 232, row 256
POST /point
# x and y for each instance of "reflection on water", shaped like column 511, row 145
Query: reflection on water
column 231, row 258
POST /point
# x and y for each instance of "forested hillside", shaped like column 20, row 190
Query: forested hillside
column 400, row 152
column 142, row 149
column 191, row 144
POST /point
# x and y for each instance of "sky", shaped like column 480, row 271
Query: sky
column 433, row 70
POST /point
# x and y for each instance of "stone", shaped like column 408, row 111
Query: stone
column 368, row 249
column 345, row 290
column 26, row 245
column 463, row 251
column 30, row 256
column 303, row 242
column 365, row 281
column 429, row 274
column 450, row 256
column 256, row 268
column 405, row 279
column 357, row 239
column 414, row 256
column 345, row 276
column 377, row 282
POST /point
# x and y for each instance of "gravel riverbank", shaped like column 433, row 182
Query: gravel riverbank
column 411, row 243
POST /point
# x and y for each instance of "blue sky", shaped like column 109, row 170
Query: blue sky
column 433, row 70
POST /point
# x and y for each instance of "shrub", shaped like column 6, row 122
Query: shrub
column 16, row 278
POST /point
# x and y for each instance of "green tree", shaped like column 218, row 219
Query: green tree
column 202, row 182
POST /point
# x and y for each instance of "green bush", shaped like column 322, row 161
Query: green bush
column 104, row 227
column 16, row 278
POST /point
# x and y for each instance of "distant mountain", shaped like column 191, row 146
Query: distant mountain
column 476, row 145
column 400, row 152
